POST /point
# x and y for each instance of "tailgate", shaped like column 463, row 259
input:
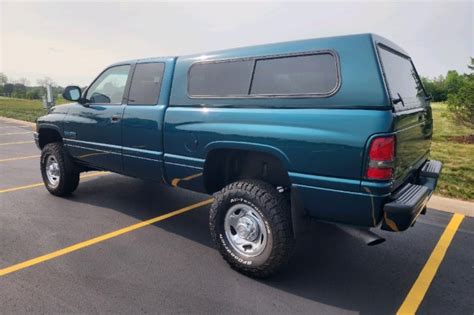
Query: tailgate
column 412, row 123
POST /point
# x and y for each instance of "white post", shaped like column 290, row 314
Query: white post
column 49, row 100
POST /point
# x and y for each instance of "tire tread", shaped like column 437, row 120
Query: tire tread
column 69, row 172
column 276, row 208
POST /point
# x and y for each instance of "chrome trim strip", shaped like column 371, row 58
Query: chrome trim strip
column 92, row 149
column 141, row 158
column 182, row 165
column 94, row 143
column 183, row 157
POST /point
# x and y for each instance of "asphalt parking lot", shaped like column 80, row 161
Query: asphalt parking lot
column 74, row 255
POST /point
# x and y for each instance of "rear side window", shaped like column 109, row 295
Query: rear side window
column 146, row 83
column 402, row 80
column 286, row 76
column 312, row 74
column 220, row 78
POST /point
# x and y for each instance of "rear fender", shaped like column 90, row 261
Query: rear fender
column 248, row 146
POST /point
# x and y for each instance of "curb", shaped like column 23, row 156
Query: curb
column 452, row 205
column 16, row 121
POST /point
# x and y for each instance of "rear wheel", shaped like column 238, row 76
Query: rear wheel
column 60, row 175
column 251, row 227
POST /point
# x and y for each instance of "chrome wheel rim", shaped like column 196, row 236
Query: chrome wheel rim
column 53, row 172
column 245, row 229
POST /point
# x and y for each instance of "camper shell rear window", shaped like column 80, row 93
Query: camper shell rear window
column 403, row 82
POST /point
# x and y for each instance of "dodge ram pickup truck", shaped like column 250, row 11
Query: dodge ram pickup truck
column 337, row 129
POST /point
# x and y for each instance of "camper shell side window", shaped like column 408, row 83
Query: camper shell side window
column 314, row 74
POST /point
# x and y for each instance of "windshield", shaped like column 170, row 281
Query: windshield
column 403, row 82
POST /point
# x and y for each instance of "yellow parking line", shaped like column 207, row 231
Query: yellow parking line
column 41, row 184
column 421, row 285
column 20, row 158
column 15, row 133
column 20, row 142
column 100, row 238
column 176, row 181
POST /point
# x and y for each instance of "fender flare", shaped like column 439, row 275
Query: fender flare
column 54, row 127
column 249, row 146
column 46, row 127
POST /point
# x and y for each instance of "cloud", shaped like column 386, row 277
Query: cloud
column 54, row 50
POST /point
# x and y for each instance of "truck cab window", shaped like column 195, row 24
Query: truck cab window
column 109, row 87
column 146, row 83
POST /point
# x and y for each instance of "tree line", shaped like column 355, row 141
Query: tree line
column 21, row 88
column 457, row 90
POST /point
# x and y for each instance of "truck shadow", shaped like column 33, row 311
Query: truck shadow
column 328, row 266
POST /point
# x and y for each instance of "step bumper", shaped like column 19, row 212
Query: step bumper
column 410, row 200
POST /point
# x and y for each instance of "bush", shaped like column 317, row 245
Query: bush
column 442, row 86
column 436, row 88
column 18, row 94
column 461, row 104
column 453, row 82
column 34, row 94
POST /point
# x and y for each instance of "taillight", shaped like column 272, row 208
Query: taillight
column 381, row 158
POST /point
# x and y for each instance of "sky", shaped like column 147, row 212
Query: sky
column 71, row 42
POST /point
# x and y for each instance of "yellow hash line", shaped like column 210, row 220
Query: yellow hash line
column 20, row 142
column 20, row 158
column 41, row 184
column 99, row 239
column 421, row 285
column 16, row 133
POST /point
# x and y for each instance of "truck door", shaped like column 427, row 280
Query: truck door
column 142, row 123
column 92, row 131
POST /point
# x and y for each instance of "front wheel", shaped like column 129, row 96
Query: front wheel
column 60, row 175
column 251, row 226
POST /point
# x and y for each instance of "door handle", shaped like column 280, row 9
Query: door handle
column 115, row 118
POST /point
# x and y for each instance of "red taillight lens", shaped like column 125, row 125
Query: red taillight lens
column 379, row 173
column 381, row 158
column 382, row 149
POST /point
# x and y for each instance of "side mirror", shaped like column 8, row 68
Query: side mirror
column 72, row 93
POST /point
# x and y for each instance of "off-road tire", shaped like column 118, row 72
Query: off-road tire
column 275, row 211
column 69, row 173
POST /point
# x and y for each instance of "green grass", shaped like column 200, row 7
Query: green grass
column 457, row 180
column 23, row 109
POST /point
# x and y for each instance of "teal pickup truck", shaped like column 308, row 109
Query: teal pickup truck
column 338, row 129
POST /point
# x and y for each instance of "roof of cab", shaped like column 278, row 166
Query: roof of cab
column 145, row 60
